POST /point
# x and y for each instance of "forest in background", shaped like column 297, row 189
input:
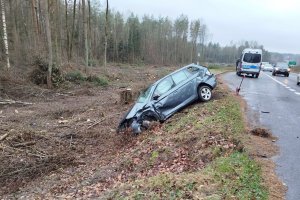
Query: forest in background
column 87, row 32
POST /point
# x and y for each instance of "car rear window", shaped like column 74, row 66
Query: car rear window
column 252, row 58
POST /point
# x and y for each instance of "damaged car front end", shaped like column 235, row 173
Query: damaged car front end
column 168, row 95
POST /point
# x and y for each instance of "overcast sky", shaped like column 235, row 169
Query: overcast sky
column 272, row 23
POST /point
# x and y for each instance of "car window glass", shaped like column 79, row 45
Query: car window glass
column 179, row 77
column 164, row 86
column 282, row 65
column 144, row 95
column 252, row 58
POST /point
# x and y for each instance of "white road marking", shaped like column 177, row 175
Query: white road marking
column 287, row 87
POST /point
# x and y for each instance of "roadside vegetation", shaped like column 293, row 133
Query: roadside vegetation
column 198, row 153
column 217, row 69
column 296, row 69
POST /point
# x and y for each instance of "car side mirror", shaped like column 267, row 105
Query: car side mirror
column 155, row 97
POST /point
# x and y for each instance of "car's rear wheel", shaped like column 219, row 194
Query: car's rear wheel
column 204, row 93
column 273, row 74
column 287, row 75
column 298, row 83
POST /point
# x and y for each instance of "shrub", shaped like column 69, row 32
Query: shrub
column 75, row 76
column 100, row 81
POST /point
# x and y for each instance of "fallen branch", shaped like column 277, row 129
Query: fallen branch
column 24, row 144
column 5, row 102
column 98, row 122
column 4, row 136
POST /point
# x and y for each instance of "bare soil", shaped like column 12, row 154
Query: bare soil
column 65, row 131
column 66, row 140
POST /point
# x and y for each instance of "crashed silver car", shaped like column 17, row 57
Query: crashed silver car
column 167, row 95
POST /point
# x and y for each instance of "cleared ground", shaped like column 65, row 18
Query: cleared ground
column 64, row 145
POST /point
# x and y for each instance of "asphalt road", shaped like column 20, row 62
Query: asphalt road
column 274, row 103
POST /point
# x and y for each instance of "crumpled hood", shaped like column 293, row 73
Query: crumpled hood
column 136, row 107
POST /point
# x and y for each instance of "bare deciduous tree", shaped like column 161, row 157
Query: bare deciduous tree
column 86, row 48
column 106, row 34
column 44, row 4
column 5, row 40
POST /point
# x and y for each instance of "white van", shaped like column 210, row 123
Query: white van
column 250, row 62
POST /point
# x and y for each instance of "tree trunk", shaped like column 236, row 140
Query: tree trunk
column 49, row 42
column 89, row 32
column 86, row 48
column 5, row 35
column 106, row 34
column 73, row 31
column 67, row 31
column 35, row 22
column 56, row 13
column 16, row 39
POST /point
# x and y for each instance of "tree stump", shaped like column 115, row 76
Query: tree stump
column 126, row 96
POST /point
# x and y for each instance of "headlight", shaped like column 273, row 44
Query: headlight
column 208, row 72
column 276, row 68
column 289, row 69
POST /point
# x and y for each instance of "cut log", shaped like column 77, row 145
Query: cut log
column 126, row 96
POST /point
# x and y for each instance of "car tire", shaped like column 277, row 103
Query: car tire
column 238, row 73
column 298, row 83
column 257, row 75
column 287, row 75
column 204, row 93
column 273, row 74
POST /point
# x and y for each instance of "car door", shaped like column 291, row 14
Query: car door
column 172, row 98
column 163, row 97
column 184, row 84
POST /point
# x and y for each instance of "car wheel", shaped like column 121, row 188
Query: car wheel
column 287, row 75
column 204, row 93
column 298, row 83
column 273, row 74
column 257, row 75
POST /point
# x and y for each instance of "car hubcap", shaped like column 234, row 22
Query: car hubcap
column 205, row 93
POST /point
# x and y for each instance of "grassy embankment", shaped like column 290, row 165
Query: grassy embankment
column 197, row 154
column 296, row 69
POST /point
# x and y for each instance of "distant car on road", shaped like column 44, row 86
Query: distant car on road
column 167, row 95
column 281, row 68
column 267, row 67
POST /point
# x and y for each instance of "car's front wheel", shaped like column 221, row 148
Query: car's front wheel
column 204, row 93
